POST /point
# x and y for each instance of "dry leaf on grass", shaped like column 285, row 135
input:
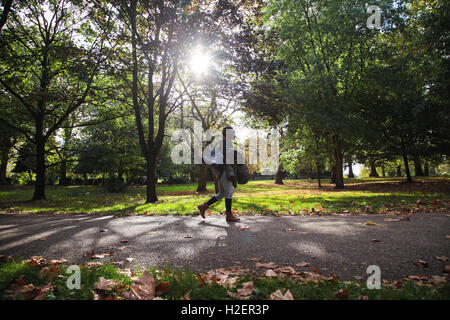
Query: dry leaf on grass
column 277, row 295
column 247, row 289
column 142, row 289
column 341, row 294
column 162, row 288
column 270, row 273
column 105, row 284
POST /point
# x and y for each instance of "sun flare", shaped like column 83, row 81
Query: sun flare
column 200, row 62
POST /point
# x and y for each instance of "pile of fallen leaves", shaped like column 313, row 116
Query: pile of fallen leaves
column 19, row 289
column 143, row 288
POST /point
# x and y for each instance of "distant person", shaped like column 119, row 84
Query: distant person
column 225, row 175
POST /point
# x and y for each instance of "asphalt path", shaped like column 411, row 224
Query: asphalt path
column 340, row 244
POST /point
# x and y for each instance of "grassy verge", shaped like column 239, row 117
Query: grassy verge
column 296, row 197
column 47, row 280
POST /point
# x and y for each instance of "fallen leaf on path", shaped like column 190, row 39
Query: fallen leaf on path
column 187, row 237
column 43, row 239
column 93, row 264
column 315, row 270
column 302, row 264
column 290, row 229
column 443, row 258
column 277, row 295
column 391, row 219
column 421, row 263
column 242, row 227
column 211, row 253
column 269, row 265
column 287, row 270
column 370, row 223
column 375, row 240
column 150, row 233
column 123, row 241
column 254, row 259
column 405, row 219
column 98, row 256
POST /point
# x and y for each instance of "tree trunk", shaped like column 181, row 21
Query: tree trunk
column 350, row 169
column 333, row 174
column 279, row 175
column 418, row 168
column 318, row 175
column 202, row 178
column 39, row 187
column 373, row 169
column 399, row 171
column 339, row 162
column 426, row 170
column 151, row 179
column 383, row 171
column 4, row 166
column 405, row 162
column 63, row 174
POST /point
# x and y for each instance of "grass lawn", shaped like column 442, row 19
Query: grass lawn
column 41, row 279
column 371, row 195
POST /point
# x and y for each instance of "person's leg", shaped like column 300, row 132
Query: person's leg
column 229, row 190
column 203, row 207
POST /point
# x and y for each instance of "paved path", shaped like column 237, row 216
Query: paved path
column 339, row 244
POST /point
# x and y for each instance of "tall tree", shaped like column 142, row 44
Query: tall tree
column 46, row 69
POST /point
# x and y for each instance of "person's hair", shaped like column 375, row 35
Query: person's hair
column 224, row 131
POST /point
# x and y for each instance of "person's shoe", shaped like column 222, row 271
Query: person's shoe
column 231, row 217
column 203, row 208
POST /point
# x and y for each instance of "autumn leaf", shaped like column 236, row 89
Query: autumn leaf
column 421, row 263
column 315, row 270
column 391, row 219
column 341, row 294
column 123, row 241
column 443, row 258
column 302, row 264
column 277, row 295
column 288, row 270
column 247, row 289
column 290, row 229
column 105, row 284
column 270, row 273
column 254, row 259
column 375, row 240
column 269, row 265
column 370, row 223
column 142, row 289
column 162, row 288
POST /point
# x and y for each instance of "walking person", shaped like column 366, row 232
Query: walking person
column 225, row 174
